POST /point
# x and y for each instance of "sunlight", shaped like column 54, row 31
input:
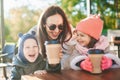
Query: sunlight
column 33, row 4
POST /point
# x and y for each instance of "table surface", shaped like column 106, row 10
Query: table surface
column 111, row 74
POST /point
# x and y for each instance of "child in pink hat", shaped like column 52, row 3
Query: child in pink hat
column 87, row 36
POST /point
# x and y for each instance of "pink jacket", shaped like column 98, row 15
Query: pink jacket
column 78, row 53
column 101, row 44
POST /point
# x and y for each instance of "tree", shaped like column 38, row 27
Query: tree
column 107, row 10
column 20, row 20
column 74, row 9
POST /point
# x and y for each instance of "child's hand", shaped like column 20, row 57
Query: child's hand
column 86, row 65
column 40, row 72
column 106, row 63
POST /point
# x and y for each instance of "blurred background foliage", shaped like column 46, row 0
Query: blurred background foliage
column 20, row 20
column 23, row 18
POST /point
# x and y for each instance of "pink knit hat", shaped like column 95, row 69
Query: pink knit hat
column 91, row 25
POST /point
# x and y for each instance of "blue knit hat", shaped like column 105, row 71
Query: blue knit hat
column 22, row 38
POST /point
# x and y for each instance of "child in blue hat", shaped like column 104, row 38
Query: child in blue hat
column 28, row 60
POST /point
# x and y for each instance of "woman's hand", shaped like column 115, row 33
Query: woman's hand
column 86, row 65
column 60, row 54
column 106, row 63
column 40, row 72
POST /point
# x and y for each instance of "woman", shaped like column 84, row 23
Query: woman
column 52, row 25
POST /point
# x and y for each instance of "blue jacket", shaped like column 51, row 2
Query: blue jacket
column 21, row 68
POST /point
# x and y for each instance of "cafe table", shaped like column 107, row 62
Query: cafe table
column 110, row 74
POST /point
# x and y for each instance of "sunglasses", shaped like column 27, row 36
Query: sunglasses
column 53, row 27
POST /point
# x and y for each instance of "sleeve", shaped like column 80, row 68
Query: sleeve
column 76, row 58
column 53, row 68
column 15, row 75
column 112, row 55
column 42, row 64
column 70, row 45
column 115, row 58
column 68, row 49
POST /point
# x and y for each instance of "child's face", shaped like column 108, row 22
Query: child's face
column 30, row 50
column 83, row 39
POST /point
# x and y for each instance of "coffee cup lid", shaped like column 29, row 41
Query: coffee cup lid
column 51, row 42
column 95, row 51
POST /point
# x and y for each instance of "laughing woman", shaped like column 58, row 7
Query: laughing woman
column 52, row 25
